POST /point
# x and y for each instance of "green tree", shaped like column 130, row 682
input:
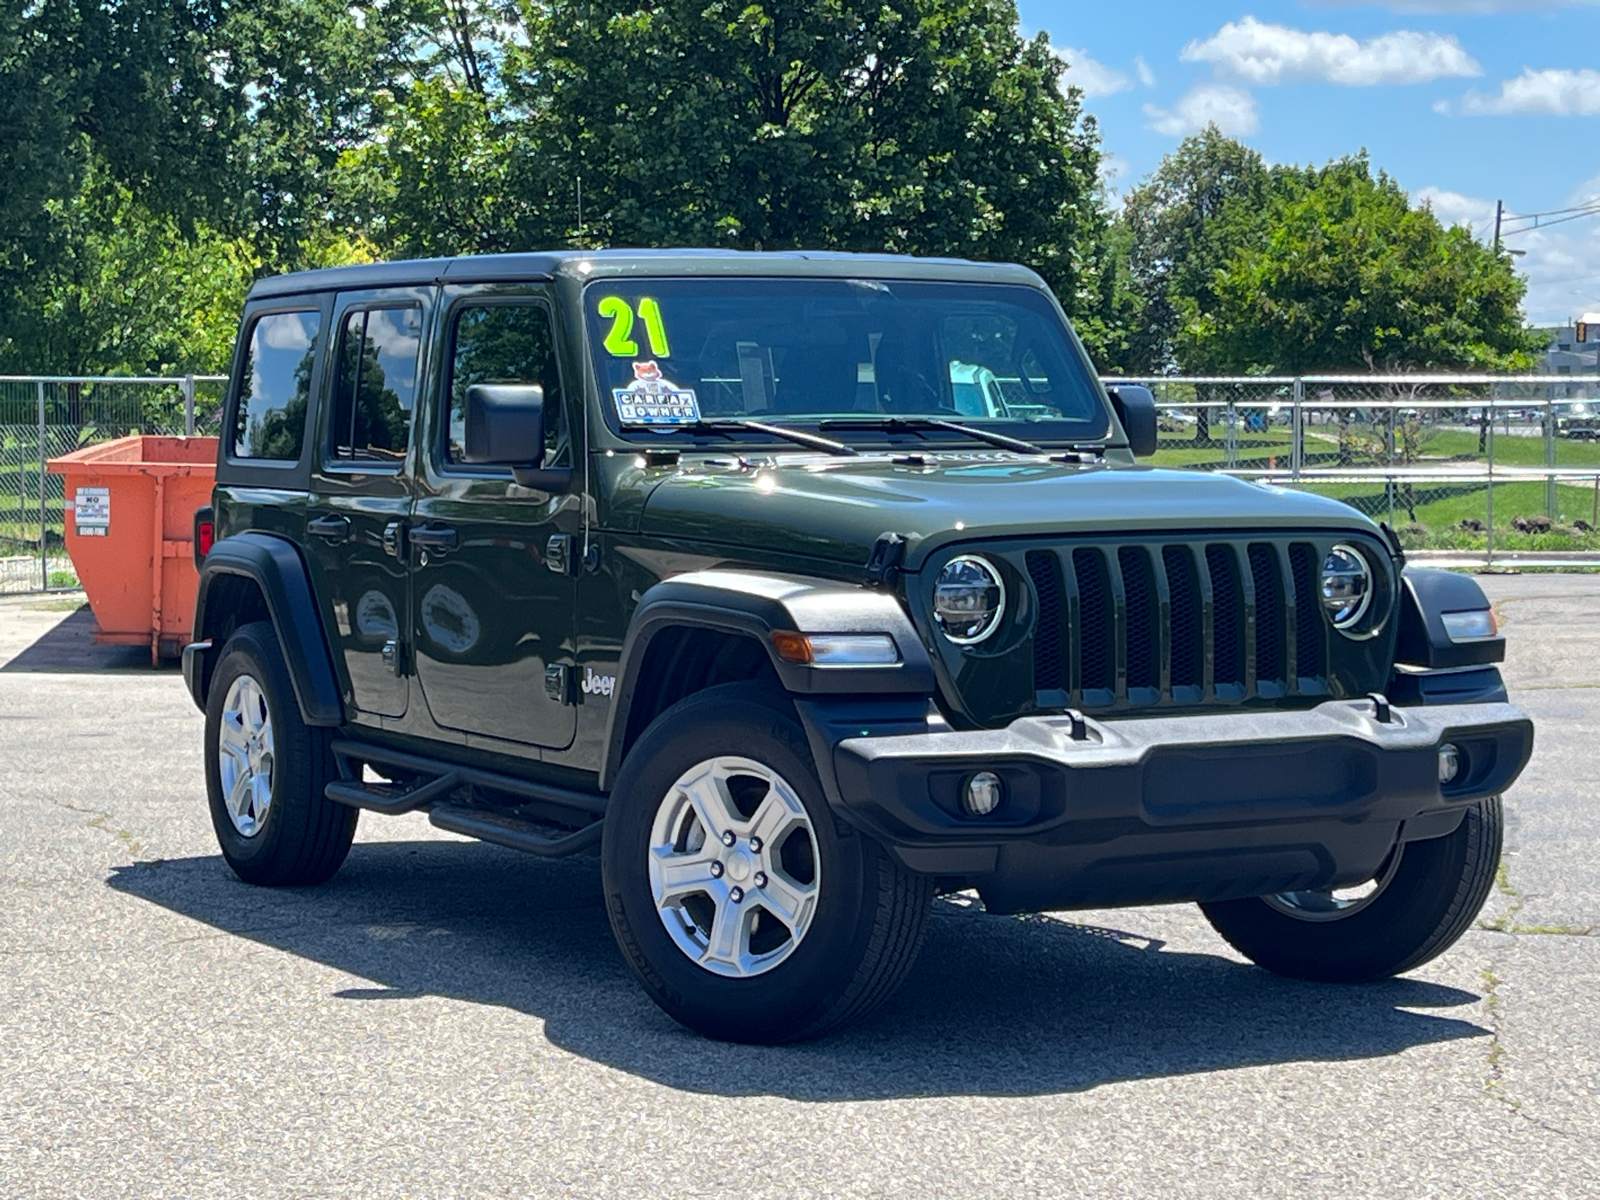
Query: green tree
column 917, row 126
column 125, row 291
column 125, row 87
column 1177, row 230
column 1348, row 275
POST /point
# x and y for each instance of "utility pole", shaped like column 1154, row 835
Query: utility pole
column 1499, row 211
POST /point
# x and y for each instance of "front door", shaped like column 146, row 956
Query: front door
column 492, row 594
column 360, row 495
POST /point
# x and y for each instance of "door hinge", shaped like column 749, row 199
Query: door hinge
column 559, row 556
column 394, row 656
column 394, row 539
column 558, row 683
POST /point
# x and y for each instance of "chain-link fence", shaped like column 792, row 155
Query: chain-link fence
column 41, row 418
column 1473, row 467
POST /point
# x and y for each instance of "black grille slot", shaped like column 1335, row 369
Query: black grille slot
column 1270, row 657
column 1047, row 658
column 1227, row 616
column 1187, row 632
column 1307, row 620
column 1096, row 631
column 1206, row 622
column 1144, row 638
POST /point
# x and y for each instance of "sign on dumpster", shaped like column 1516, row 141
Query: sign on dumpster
column 92, row 511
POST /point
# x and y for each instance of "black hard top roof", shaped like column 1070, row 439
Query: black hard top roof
column 595, row 264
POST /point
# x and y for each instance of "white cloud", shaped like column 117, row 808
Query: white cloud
column 1146, row 75
column 1563, row 269
column 1092, row 77
column 1553, row 92
column 1562, row 264
column 1232, row 110
column 1269, row 54
column 1452, row 208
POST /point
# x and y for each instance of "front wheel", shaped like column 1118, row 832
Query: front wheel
column 746, row 911
column 1423, row 898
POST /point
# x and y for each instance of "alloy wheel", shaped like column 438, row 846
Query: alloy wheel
column 734, row 868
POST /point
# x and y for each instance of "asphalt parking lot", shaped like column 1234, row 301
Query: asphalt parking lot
column 451, row 1019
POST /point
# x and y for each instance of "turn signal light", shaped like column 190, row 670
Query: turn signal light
column 1473, row 625
column 836, row 649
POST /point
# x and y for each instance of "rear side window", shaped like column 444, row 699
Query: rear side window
column 270, row 422
column 375, row 385
column 503, row 343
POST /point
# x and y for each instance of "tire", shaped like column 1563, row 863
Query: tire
column 288, row 832
column 860, row 916
column 1426, row 898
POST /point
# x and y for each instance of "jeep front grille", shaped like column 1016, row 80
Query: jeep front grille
column 1140, row 624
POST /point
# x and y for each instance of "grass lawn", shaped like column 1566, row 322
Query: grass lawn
column 1513, row 451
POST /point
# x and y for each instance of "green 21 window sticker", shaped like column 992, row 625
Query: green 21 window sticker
column 619, row 341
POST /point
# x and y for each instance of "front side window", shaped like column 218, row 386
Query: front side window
column 270, row 422
column 375, row 385
column 839, row 352
column 502, row 343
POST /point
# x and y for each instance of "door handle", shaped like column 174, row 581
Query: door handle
column 433, row 537
column 334, row 529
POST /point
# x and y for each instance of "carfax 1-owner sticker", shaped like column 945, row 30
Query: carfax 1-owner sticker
column 91, row 510
column 652, row 399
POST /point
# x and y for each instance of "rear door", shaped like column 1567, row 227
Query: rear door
column 492, row 591
column 361, row 493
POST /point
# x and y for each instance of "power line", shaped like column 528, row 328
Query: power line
column 1586, row 206
column 1561, row 216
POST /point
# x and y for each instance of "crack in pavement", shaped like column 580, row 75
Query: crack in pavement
column 1494, row 1003
column 100, row 822
column 1506, row 922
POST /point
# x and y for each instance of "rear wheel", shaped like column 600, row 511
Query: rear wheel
column 1422, row 899
column 743, row 907
column 266, row 770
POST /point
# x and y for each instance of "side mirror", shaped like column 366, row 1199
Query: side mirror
column 505, row 424
column 1136, row 409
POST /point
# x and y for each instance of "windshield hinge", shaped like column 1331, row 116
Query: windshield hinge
column 883, row 564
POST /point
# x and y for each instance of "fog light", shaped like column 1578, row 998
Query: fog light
column 982, row 795
column 1449, row 763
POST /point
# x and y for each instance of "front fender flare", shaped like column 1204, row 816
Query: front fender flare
column 275, row 566
column 754, row 605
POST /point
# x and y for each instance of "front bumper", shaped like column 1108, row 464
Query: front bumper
column 1162, row 809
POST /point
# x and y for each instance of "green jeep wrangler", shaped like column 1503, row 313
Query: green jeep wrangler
column 803, row 588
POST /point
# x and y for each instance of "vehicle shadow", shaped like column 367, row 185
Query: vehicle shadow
column 995, row 1006
column 69, row 646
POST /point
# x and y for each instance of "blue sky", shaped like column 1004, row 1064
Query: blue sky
column 1462, row 101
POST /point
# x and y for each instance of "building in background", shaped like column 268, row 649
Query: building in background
column 1574, row 348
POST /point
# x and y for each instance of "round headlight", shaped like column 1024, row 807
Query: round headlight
column 1346, row 585
column 968, row 600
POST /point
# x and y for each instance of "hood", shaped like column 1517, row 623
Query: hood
column 836, row 508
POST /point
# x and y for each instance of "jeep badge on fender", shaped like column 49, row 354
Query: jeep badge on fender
column 886, row 606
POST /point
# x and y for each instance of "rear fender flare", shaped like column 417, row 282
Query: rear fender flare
column 276, row 568
column 754, row 605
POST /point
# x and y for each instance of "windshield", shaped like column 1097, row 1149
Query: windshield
column 673, row 352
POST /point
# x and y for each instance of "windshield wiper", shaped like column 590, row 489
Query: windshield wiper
column 799, row 436
column 916, row 424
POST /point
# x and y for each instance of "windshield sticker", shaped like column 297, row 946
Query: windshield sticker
column 619, row 341
column 653, row 400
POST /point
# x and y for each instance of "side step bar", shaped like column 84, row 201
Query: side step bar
column 503, row 828
column 372, row 798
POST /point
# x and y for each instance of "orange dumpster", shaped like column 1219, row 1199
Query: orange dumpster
column 130, row 508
